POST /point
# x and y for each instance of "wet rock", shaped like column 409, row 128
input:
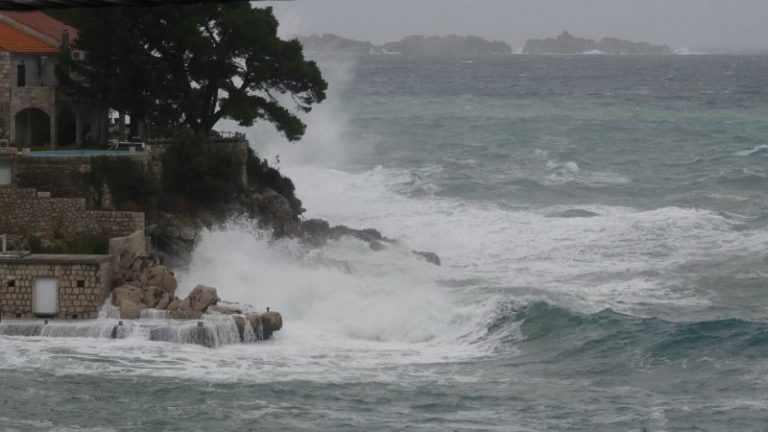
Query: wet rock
column 271, row 322
column 164, row 301
column 225, row 310
column 572, row 213
column 240, row 323
column 254, row 320
column 201, row 298
column 430, row 257
column 130, row 310
column 127, row 294
column 163, row 278
column 151, row 296
column 184, row 314
column 276, row 206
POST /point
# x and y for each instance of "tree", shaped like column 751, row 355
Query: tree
column 192, row 66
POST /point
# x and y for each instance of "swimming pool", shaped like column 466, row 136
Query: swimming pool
column 81, row 153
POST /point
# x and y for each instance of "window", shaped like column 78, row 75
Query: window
column 11, row 282
column 81, row 284
column 21, row 75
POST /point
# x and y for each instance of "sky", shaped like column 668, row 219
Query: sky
column 678, row 23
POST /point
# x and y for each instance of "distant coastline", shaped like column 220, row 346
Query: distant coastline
column 413, row 45
column 566, row 43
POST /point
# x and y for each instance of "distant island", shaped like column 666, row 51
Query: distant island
column 415, row 45
column 337, row 44
column 569, row 44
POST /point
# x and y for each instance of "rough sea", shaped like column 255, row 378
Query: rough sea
column 603, row 227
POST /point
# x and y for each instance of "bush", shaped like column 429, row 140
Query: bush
column 129, row 185
column 259, row 172
column 97, row 244
column 201, row 173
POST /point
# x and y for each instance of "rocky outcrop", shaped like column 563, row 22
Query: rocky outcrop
column 317, row 232
column 129, row 299
column 263, row 325
column 201, row 298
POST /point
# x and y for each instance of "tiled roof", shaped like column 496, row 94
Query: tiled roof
column 43, row 23
column 14, row 40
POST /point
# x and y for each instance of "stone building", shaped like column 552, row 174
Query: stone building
column 53, row 286
column 34, row 109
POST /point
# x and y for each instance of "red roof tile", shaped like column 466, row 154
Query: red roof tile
column 43, row 23
column 14, row 40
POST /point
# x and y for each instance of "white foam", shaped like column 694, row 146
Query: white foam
column 750, row 152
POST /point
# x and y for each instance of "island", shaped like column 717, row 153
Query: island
column 448, row 45
column 412, row 45
column 331, row 43
column 566, row 43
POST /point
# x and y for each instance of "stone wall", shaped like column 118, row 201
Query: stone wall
column 83, row 287
column 25, row 211
column 5, row 92
column 62, row 177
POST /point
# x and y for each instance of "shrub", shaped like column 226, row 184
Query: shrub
column 97, row 244
column 130, row 186
column 201, row 173
column 259, row 172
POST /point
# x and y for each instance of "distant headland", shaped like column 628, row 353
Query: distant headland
column 415, row 45
column 566, row 43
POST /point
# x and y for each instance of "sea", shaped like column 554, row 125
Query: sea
column 602, row 223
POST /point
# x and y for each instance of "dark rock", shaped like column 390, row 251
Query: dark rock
column 271, row 322
column 240, row 323
column 430, row 257
column 572, row 213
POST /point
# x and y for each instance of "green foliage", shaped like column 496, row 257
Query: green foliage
column 259, row 172
column 203, row 174
column 128, row 184
column 96, row 244
column 191, row 66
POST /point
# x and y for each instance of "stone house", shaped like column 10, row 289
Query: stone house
column 53, row 286
column 35, row 110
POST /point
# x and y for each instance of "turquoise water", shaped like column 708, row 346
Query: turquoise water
column 602, row 227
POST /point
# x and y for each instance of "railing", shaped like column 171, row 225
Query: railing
column 18, row 243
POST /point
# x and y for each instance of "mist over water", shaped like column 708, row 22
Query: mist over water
column 601, row 224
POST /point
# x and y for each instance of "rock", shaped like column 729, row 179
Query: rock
column 276, row 206
column 572, row 213
column 271, row 322
column 225, row 310
column 201, row 298
column 127, row 249
column 430, row 257
column 240, row 323
column 163, row 278
column 254, row 320
column 130, row 310
column 127, row 294
column 184, row 314
column 151, row 295
column 164, row 301
column 175, row 304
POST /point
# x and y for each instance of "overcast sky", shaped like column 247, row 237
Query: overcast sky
column 679, row 23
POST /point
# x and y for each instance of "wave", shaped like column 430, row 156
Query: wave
column 560, row 333
column 761, row 149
